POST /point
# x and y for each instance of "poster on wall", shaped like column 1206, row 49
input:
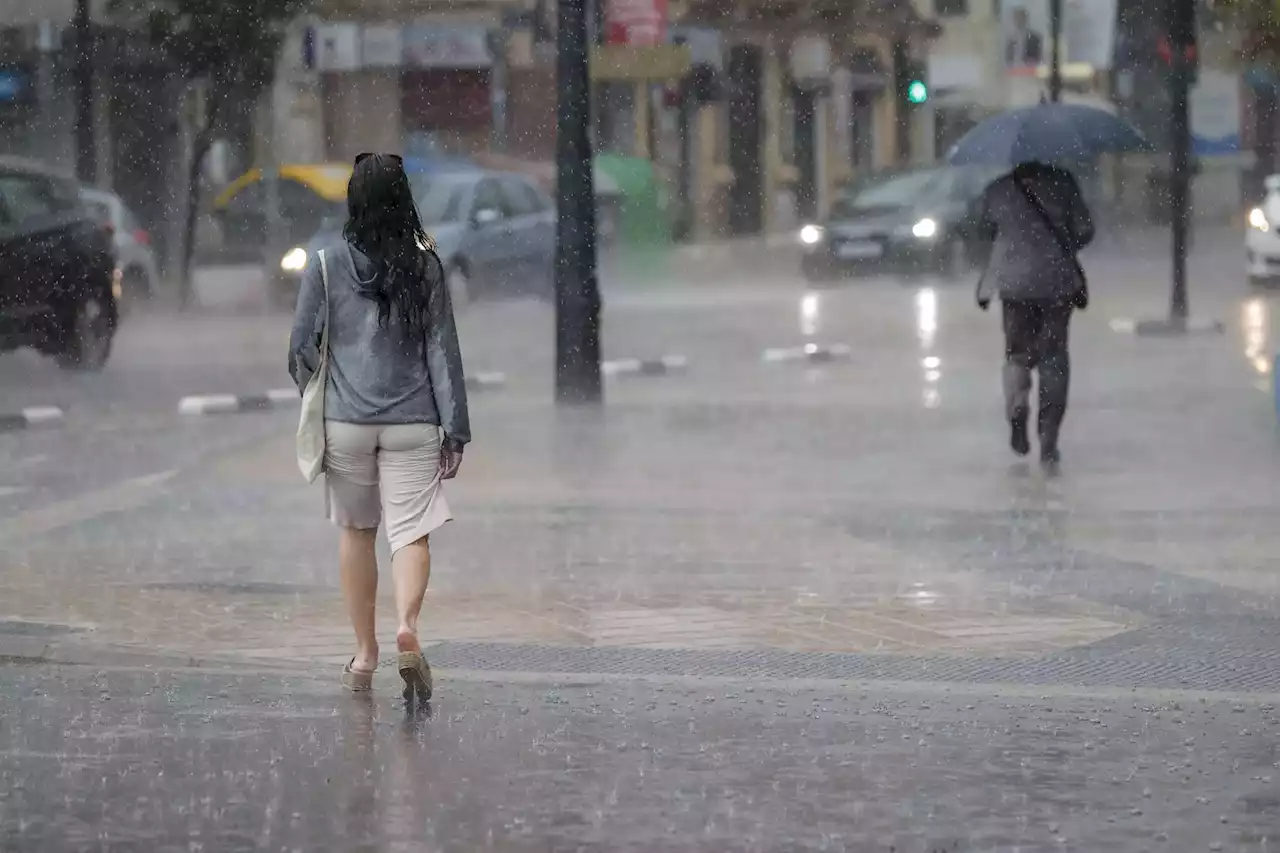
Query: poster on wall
column 636, row 23
column 1088, row 33
column 437, row 45
column 1215, row 114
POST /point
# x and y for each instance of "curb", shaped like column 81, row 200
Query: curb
column 481, row 381
column 225, row 404
column 812, row 353
column 34, row 416
column 663, row 366
column 1166, row 328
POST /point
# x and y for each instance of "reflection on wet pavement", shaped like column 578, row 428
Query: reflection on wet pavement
column 163, row 761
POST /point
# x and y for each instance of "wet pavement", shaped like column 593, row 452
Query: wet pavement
column 128, row 760
column 706, row 557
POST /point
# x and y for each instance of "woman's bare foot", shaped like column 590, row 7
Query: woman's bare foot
column 365, row 660
column 407, row 641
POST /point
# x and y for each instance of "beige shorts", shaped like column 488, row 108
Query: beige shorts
column 388, row 474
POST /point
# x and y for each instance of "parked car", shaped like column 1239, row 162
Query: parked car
column 1261, row 240
column 58, row 279
column 139, row 272
column 495, row 232
column 923, row 220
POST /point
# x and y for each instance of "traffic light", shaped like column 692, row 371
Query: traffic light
column 908, row 77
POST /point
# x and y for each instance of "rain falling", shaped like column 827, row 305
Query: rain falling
column 639, row 425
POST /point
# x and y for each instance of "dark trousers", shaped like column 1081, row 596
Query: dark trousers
column 1035, row 337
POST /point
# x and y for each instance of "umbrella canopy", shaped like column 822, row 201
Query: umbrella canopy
column 1047, row 133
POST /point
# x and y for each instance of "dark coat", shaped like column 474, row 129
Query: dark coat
column 1028, row 259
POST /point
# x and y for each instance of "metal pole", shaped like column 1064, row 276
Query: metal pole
column 578, row 378
column 498, row 89
column 685, row 175
column 86, row 153
column 1182, row 39
column 1055, row 50
column 902, row 127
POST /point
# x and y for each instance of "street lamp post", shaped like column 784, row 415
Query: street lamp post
column 578, row 378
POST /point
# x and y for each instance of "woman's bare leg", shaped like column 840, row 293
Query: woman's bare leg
column 411, row 570
column 358, row 559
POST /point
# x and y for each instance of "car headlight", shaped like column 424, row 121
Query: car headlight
column 811, row 235
column 1258, row 219
column 925, row 229
column 294, row 260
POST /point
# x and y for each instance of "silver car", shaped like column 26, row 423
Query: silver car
column 139, row 272
column 496, row 234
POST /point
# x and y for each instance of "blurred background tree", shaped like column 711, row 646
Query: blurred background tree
column 226, row 50
column 1259, row 24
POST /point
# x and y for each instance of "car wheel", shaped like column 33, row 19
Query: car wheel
column 459, row 285
column 87, row 337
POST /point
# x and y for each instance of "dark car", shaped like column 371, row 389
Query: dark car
column 58, row 286
column 922, row 221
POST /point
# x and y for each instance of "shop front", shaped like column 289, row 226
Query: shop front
column 446, row 89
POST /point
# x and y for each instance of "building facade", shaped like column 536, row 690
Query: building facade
column 751, row 112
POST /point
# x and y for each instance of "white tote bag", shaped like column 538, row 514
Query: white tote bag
column 311, row 421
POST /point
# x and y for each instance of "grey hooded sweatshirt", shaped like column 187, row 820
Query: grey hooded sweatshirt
column 377, row 375
column 1027, row 260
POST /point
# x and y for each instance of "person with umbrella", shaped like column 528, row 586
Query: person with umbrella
column 1037, row 221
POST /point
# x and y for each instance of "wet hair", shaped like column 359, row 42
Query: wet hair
column 383, row 223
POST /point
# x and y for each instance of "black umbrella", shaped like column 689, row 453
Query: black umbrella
column 1047, row 133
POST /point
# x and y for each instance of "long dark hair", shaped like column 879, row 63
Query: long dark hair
column 383, row 223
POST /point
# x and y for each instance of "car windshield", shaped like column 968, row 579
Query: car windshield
column 892, row 194
column 440, row 197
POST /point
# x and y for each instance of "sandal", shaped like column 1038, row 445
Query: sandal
column 416, row 673
column 356, row 680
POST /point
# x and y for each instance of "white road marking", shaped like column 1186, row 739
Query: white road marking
column 637, row 366
column 284, row 395
column 36, row 415
column 809, row 352
column 490, row 379
column 209, row 404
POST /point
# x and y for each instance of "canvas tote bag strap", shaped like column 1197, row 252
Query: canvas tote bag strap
column 324, row 332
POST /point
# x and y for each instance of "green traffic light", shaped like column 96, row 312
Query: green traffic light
column 917, row 92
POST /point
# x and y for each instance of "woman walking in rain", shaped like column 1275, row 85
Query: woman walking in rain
column 394, row 401
column 1038, row 221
